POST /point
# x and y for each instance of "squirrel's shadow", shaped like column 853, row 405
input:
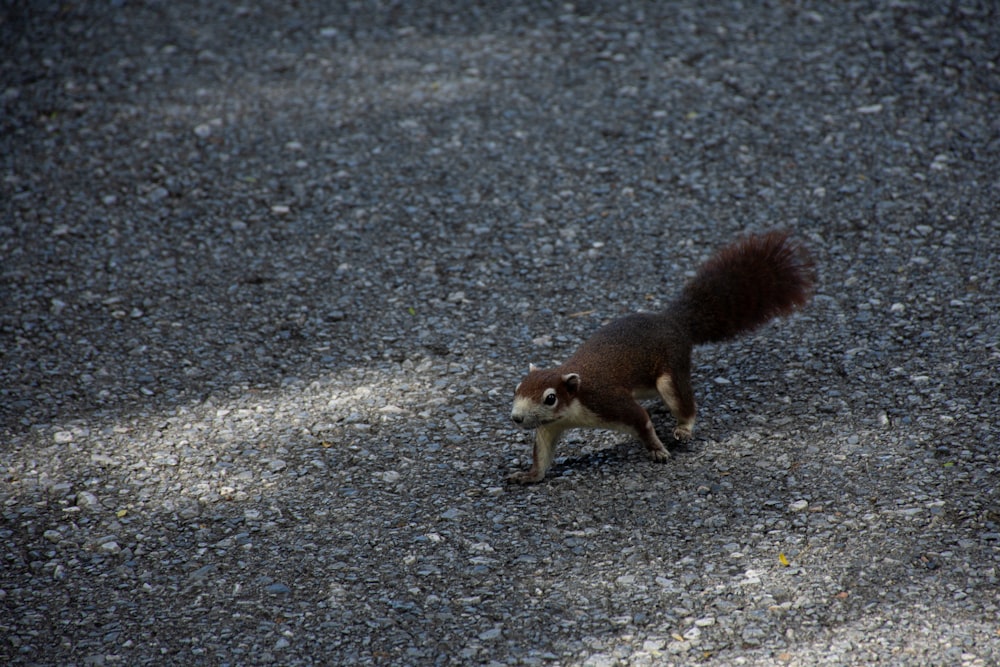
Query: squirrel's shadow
column 627, row 451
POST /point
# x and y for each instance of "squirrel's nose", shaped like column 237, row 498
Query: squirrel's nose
column 517, row 418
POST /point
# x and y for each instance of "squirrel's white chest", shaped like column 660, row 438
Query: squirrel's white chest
column 578, row 415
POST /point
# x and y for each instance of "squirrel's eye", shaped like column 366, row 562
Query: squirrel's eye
column 550, row 399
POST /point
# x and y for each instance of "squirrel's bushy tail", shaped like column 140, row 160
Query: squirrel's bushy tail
column 745, row 285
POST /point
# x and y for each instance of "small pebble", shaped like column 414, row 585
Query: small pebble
column 110, row 547
column 87, row 501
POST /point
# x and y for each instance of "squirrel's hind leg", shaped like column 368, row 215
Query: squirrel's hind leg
column 632, row 418
column 676, row 393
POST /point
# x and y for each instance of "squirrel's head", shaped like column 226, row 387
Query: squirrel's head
column 543, row 396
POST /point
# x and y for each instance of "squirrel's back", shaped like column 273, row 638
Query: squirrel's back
column 743, row 286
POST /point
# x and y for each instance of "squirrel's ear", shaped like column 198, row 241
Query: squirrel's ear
column 532, row 368
column 572, row 381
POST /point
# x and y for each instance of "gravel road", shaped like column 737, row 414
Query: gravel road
column 271, row 270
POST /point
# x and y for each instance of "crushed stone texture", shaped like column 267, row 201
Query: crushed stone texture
column 270, row 271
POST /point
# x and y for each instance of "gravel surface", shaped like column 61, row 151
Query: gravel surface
column 270, row 273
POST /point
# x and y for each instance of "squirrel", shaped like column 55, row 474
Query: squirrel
column 647, row 355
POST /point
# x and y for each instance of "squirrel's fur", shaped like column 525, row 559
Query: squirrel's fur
column 645, row 355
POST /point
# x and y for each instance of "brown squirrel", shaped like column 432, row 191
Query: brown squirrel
column 645, row 355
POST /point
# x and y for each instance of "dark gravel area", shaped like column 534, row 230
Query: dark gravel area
column 269, row 272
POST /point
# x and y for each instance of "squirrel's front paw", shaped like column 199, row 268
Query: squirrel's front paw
column 682, row 433
column 525, row 477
